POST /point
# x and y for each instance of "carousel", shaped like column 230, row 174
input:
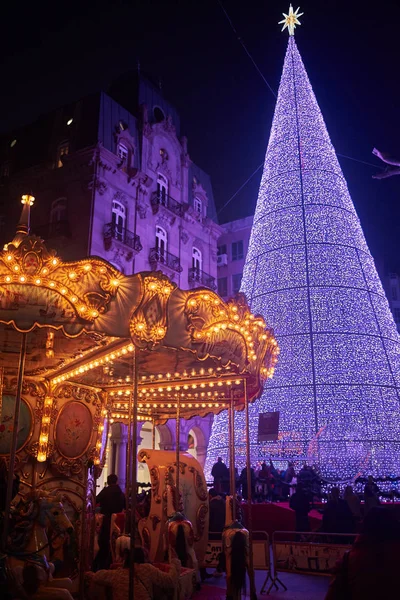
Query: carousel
column 174, row 353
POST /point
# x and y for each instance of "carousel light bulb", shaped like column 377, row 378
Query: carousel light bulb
column 16, row 268
column 54, row 262
column 41, row 457
column 9, row 257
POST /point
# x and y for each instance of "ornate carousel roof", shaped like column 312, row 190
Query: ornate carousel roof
column 85, row 321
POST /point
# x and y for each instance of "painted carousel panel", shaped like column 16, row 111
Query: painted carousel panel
column 73, row 429
column 7, row 424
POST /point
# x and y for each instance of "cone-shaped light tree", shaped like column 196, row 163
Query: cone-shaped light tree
column 309, row 272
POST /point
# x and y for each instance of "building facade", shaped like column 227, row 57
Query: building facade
column 113, row 178
column 232, row 249
column 391, row 284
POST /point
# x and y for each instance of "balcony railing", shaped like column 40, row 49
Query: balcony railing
column 56, row 229
column 159, row 199
column 201, row 278
column 158, row 257
column 126, row 237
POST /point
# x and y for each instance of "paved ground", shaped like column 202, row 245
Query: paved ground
column 300, row 587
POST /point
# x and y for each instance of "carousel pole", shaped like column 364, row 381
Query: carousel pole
column 128, row 455
column 231, row 415
column 153, row 436
column 133, row 472
column 253, row 593
column 177, row 449
column 13, row 448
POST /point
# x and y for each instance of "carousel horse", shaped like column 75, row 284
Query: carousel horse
column 181, row 541
column 235, row 543
column 28, row 541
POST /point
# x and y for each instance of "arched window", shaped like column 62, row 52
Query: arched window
column 197, row 261
column 159, row 115
column 63, row 150
column 118, row 218
column 58, row 210
column 161, row 243
column 198, row 206
column 162, row 189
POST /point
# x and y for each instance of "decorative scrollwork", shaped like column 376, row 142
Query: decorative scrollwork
column 201, row 517
column 155, row 484
column 67, row 467
column 198, row 484
column 82, row 394
column 148, row 324
column 155, row 520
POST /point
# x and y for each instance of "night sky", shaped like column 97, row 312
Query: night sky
column 55, row 53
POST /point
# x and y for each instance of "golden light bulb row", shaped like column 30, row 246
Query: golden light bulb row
column 44, row 430
column 94, row 364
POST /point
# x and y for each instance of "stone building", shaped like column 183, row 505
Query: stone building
column 232, row 250
column 113, row 178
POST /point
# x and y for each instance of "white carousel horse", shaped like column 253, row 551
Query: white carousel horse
column 29, row 542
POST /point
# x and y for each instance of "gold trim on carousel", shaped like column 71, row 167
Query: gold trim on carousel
column 45, row 429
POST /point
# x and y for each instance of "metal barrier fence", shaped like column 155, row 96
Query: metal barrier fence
column 261, row 550
column 306, row 552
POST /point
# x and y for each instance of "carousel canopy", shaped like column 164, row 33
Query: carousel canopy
column 85, row 321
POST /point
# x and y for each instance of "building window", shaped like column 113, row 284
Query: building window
column 223, row 286
column 118, row 217
column 123, row 152
column 198, row 206
column 237, row 250
column 236, row 281
column 58, row 211
column 162, row 189
column 63, row 150
column 161, row 243
column 197, row 260
column 159, row 115
column 394, row 292
column 222, row 249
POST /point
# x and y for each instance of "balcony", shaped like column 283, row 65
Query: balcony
column 166, row 201
column 110, row 232
column 157, row 258
column 198, row 277
column 50, row 231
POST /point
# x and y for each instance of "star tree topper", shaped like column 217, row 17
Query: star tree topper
column 291, row 20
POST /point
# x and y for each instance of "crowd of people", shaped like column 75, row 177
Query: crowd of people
column 268, row 484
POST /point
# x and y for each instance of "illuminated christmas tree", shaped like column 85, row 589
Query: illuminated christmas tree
column 309, row 272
